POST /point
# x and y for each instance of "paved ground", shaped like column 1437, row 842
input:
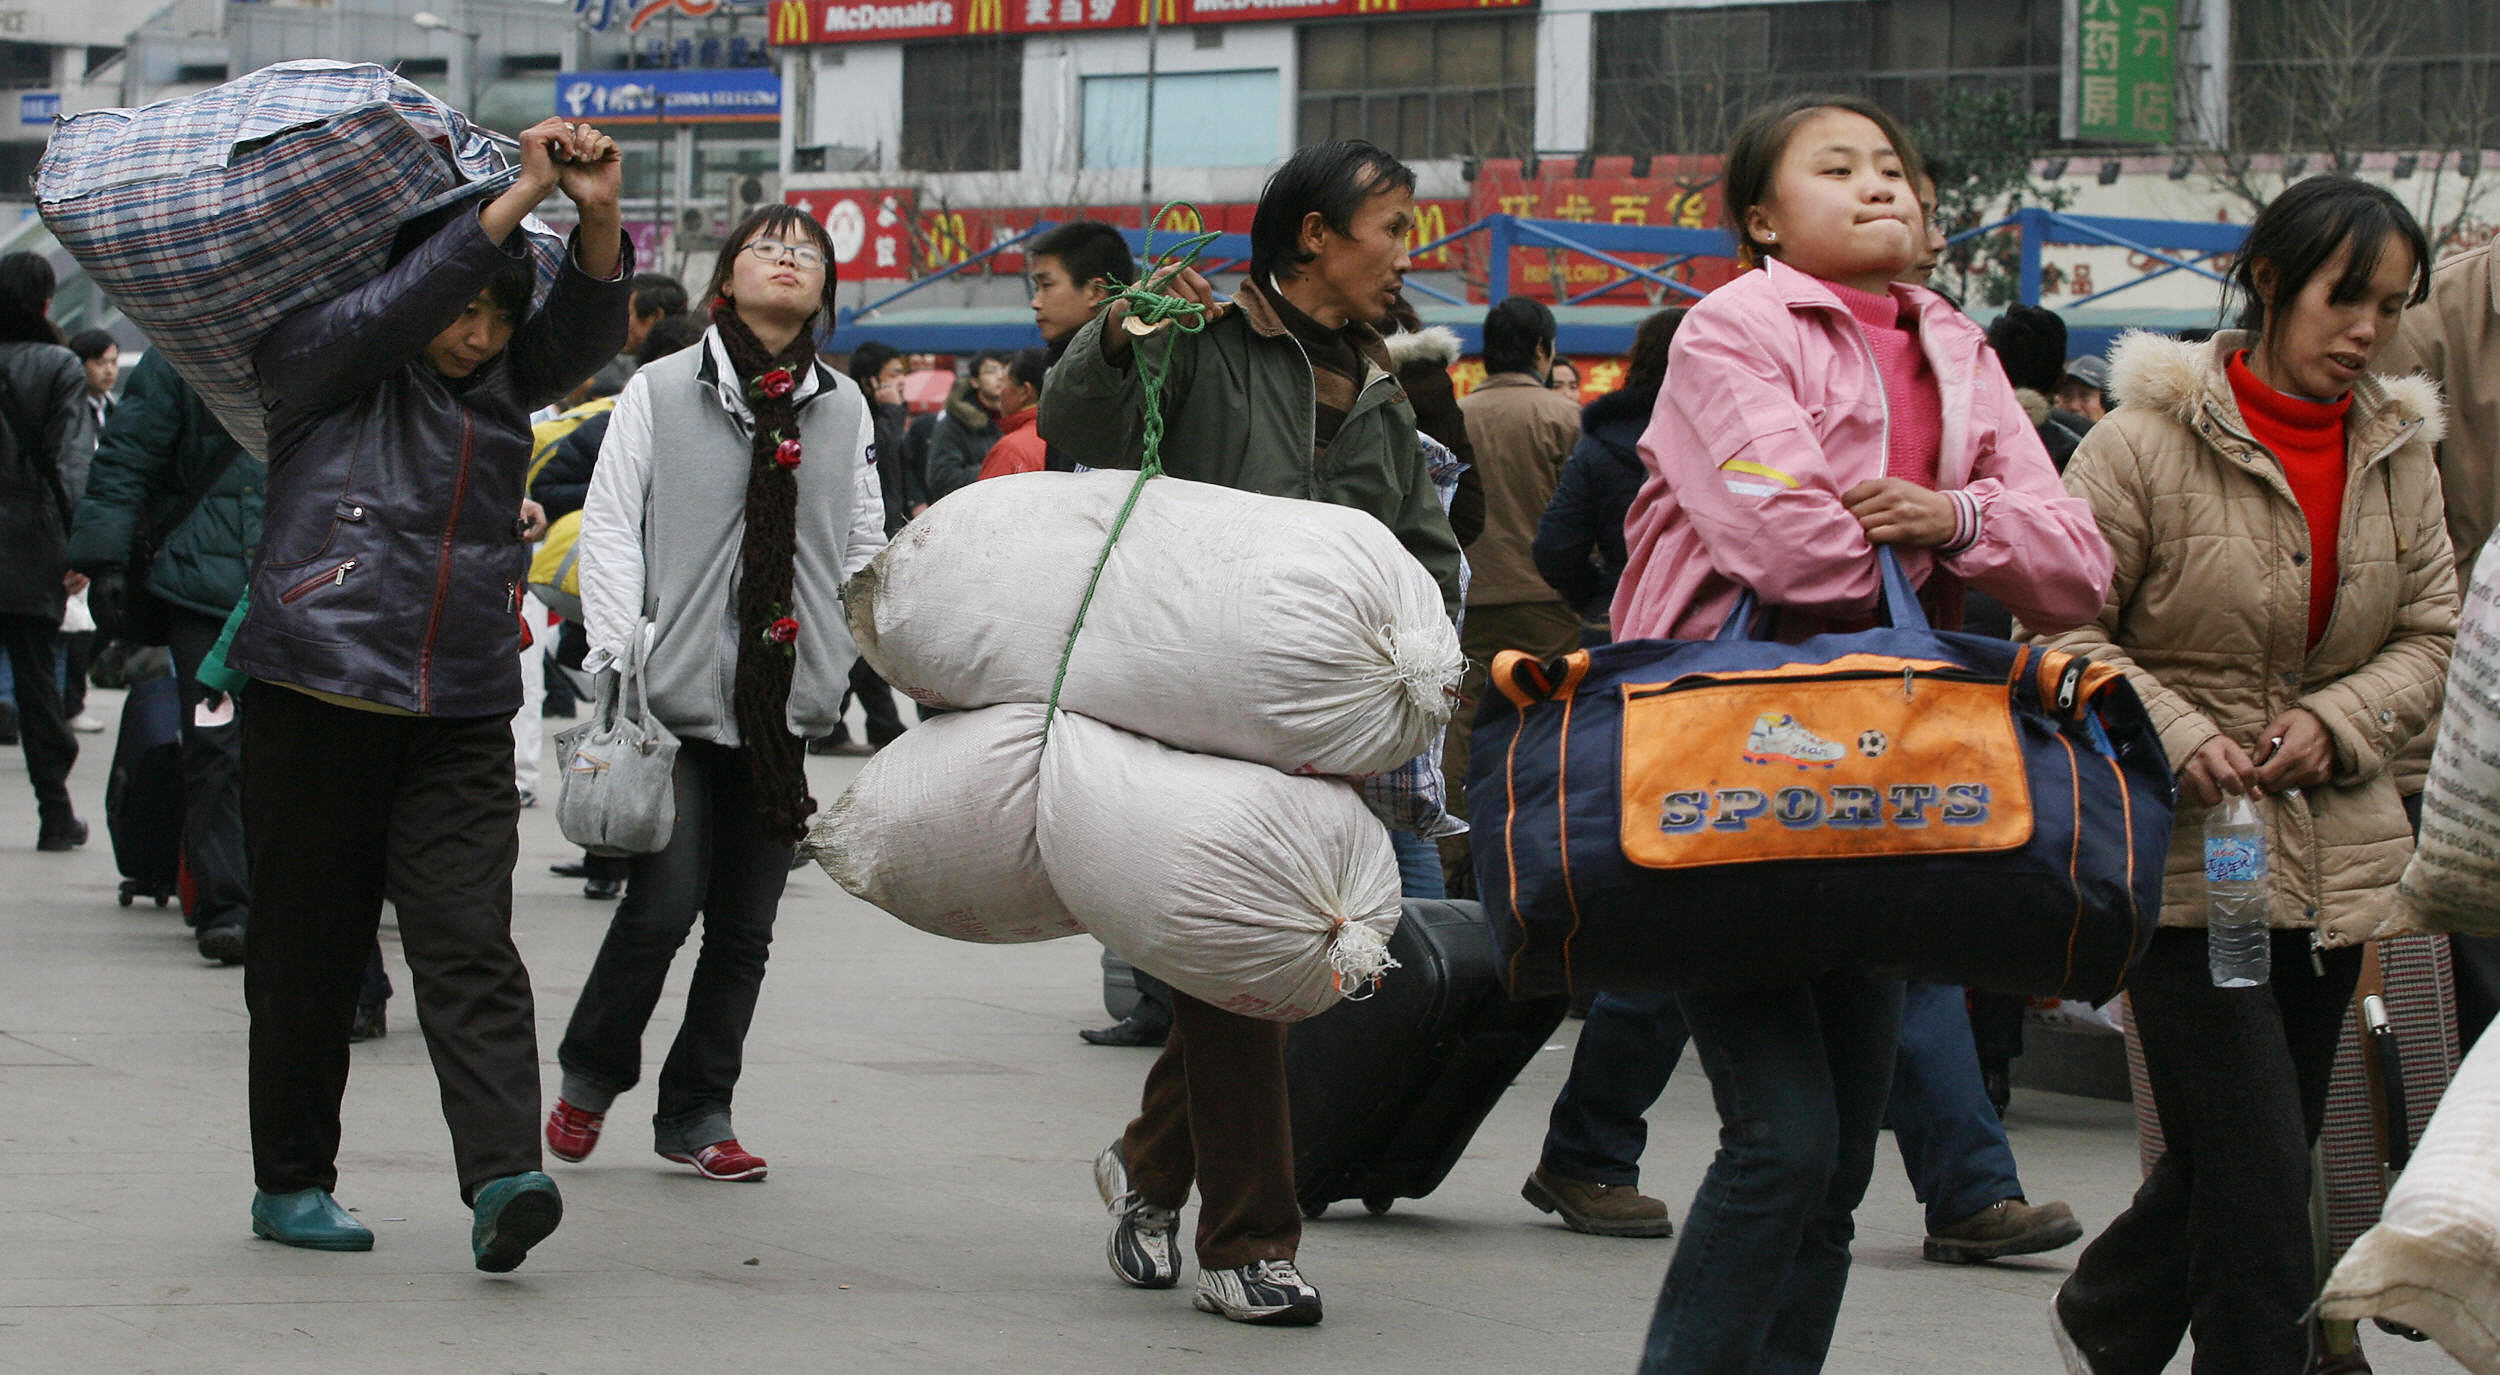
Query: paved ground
column 929, row 1115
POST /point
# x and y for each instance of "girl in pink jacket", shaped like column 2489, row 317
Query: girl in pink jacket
column 1813, row 410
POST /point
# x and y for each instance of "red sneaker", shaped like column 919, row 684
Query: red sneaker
column 572, row 1133
column 723, row 1160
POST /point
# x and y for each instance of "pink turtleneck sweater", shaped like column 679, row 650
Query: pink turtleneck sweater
column 1916, row 404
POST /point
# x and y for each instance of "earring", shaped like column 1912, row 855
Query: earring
column 1770, row 234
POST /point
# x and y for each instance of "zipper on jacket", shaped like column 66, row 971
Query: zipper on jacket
column 335, row 577
column 442, row 571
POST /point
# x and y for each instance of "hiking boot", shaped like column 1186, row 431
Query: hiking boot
column 1271, row 1293
column 1140, row 1248
column 1601, row 1210
column 222, row 943
column 572, row 1134
column 2007, row 1227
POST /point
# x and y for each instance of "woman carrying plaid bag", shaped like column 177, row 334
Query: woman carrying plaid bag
column 385, row 611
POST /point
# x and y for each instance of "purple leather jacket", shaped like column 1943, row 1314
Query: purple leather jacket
column 391, row 565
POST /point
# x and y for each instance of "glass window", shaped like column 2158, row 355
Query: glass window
column 1424, row 88
column 1201, row 119
column 963, row 105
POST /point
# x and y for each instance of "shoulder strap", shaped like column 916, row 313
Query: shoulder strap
column 191, row 499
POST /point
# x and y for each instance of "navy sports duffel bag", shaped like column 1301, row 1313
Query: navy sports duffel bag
column 1738, row 813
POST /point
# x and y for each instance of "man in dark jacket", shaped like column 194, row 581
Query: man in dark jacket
column 163, row 450
column 966, row 427
column 1289, row 392
column 47, row 439
column 1579, row 539
column 383, row 635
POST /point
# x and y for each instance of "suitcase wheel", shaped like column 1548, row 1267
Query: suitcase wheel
column 1377, row 1206
column 160, row 899
column 127, row 895
column 1315, row 1210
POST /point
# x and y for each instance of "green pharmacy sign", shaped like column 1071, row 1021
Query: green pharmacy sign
column 2121, row 78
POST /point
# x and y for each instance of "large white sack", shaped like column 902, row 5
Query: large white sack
column 2453, row 880
column 1257, row 891
column 938, row 830
column 2433, row 1261
column 1296, row 634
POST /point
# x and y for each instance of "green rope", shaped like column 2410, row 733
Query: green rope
column 1183, row 316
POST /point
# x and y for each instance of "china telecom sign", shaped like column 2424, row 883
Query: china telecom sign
column 680, row 96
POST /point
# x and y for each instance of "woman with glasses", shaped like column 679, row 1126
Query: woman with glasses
column 735, row 492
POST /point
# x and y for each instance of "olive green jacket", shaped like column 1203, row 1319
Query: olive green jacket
column 1238, row 403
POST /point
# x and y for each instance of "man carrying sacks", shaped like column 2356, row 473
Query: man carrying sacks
column 1287, row 392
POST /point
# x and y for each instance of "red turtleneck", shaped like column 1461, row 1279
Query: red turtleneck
column 2307, row 438
column 1917, row 404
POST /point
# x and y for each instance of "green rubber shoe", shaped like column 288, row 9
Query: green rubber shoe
column 309, row 1218
column 514, row 1213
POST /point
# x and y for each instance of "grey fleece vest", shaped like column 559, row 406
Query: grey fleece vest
column 694, row 525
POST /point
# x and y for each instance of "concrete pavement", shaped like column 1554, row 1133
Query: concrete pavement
column 930, row 1117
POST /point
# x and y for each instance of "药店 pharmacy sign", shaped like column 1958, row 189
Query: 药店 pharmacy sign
column 2121, row 71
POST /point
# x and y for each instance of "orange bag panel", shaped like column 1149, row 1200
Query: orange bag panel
column 1860, row 757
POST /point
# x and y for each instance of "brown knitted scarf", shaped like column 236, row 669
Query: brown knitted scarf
column 768, row 626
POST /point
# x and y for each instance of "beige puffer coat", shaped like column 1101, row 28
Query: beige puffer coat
column 2209, row 614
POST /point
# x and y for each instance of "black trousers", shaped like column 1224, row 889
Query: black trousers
column 721, row 866
column 876, row 703
column 43, row 728
column 2217, row 1240
column 341, row 809
column 212, row 778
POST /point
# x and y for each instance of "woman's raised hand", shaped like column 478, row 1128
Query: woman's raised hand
column 591, row 170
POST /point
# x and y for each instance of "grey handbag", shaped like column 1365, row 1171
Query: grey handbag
column 620, row 790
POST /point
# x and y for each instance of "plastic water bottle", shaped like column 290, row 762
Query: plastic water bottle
column 2237, row 943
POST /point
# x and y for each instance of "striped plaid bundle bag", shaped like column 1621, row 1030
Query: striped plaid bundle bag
column 208, row 219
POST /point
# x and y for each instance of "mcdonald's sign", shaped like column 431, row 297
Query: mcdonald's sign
column 801, row 22
column 792, row 25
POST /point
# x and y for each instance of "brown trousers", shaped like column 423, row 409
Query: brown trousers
column 1214, row 1112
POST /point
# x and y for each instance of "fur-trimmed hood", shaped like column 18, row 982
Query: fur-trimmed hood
column 2034, row 404
column 964, row 403
column 2179, row 379
column 2211, row 613
column 1435, row 344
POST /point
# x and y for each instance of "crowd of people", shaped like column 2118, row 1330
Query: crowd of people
column 2253, row 525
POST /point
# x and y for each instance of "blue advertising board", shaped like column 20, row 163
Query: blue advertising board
column 38, row 107
column 698, row 96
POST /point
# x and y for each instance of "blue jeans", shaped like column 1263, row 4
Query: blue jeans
column 1952, row 1144
column 1419, row 866
column 1628, row 1048
column 1800, row 1074
column 719, row 865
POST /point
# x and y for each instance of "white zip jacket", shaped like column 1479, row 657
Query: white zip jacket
column 665, row 520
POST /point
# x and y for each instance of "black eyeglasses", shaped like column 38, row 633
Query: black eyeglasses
column 775, row 251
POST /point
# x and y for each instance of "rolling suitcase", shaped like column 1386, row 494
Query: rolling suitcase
column 1388, row 1090
column 143, row 794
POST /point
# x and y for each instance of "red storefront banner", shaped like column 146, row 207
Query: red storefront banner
column 799, row 23
column 1681, row 192
column 881, row 234
column 872, row 230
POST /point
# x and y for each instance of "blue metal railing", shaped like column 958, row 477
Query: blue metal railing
column 2175, row 245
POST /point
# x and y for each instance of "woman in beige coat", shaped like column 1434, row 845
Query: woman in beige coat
column 2284, row 663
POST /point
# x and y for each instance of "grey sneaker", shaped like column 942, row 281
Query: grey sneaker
column 1271, row 1293
column 1140, row 1248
